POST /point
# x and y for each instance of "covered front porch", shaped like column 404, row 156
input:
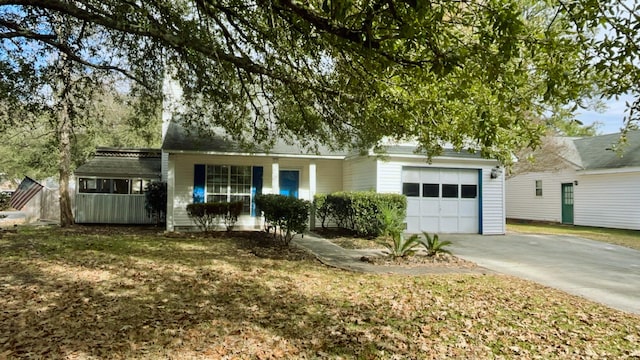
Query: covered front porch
column 194, row 178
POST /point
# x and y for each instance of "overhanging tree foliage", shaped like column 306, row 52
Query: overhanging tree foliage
column 347, row 73
column 58, row 69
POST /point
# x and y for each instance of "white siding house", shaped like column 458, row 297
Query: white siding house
column 469, row 199
column 598, row 187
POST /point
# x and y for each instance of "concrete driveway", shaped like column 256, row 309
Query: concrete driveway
column 10, row 218
column 605, row 273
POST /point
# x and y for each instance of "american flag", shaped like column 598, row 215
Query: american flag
column 26, row 191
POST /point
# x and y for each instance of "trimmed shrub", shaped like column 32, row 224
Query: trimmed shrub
column 209, row 215
column 323, row 208
column 287, row 216
column 230, row 218
column 155, row 200
column 360, row 211
column 5, row 201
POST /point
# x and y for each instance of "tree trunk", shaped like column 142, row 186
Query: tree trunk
column 63, row 97
column 64, row 132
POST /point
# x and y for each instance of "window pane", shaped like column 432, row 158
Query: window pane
column 468, row 191
column 87, row 185
column 217, row 178
column 246, row 202
column 411, row 189
column 538, row 187
column 240, row 180
column 136, row 186
column 217, row 198
column 449, row 190
column 431, row 190
column 120, row 186
column 104, row 186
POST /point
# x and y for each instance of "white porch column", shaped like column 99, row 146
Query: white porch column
column 312, row 179
column 275, row 176
column 171, row 186
column 312, row 192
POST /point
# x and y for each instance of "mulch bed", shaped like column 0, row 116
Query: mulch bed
column 438, row 260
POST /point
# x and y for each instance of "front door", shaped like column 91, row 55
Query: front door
column 567, row 203
column 289, row 182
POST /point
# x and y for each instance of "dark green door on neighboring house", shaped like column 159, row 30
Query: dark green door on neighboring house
column 567, row 203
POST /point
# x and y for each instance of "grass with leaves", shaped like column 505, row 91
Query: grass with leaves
column 134, row 293
column 628, row 238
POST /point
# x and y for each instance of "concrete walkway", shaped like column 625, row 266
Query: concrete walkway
column 333, row 255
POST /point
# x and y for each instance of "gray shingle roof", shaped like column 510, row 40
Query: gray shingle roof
column 406, row 150
column 125, row 163
column 179, row 139
column 596, row 152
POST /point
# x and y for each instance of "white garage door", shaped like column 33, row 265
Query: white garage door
column 441, row 200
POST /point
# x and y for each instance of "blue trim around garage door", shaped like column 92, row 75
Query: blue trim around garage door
column 480, row 201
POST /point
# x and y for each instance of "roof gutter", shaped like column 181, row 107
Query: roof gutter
column 226, row 153
column 620, row 170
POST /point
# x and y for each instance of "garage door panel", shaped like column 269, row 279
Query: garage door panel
column 451, row 211
column 413, row 224
column 429, row 224
column 448, row 224
column 413, row 206
column 468, row 225
column 411, row 175
column 468, row 208
column 469, row 177
column 449, row 208
column 449, row 176
column 430, row 177
column 429, row 207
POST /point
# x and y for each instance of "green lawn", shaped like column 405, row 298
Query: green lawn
column 133, row 293
column 628, row 238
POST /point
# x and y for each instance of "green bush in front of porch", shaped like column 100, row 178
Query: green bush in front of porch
column 286, row 215
column 209, row 215
column 358, row 211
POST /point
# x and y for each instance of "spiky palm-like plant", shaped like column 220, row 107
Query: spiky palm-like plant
column 392, row 224
column 433, row 245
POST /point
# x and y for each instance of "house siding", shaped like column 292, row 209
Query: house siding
column 389, row 174
column 359, row 174
column 329, row 176
column 181, row 167
column 608, row 200
column 493, row 203
column 522, row 202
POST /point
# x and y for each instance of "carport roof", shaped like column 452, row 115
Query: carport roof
column 125, row 163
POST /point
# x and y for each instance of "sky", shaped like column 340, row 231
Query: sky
column 611, row 119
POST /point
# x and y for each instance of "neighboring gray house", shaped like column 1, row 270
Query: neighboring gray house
column 110, row 186
column 455, row 193
column 595, row 187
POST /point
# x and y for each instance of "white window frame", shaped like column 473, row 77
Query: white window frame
column 228, row 194
column 538, row 188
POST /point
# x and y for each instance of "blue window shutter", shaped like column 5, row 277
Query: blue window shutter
column 256, row 187
column 199, row 175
